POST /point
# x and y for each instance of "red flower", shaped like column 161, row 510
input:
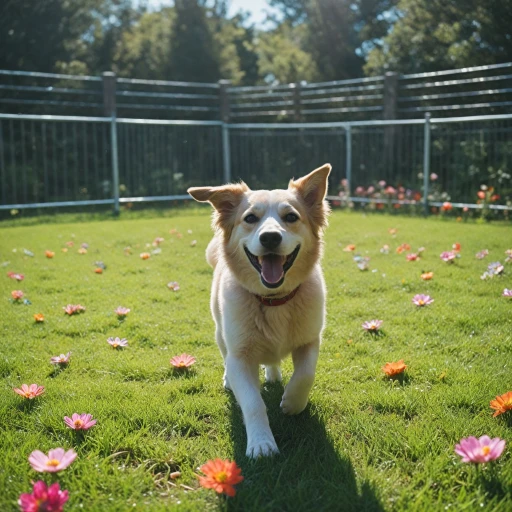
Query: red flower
column 221, row 475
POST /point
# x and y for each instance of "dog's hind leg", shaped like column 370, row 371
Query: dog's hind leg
column 295, row 397
column 272, row 373
column 223, row 350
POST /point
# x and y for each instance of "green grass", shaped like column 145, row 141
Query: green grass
column 363, row 443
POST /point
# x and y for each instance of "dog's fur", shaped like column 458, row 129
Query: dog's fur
column 248, row 332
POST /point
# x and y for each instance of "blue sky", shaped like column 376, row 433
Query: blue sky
column 255, row 7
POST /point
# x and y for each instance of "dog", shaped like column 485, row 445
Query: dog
column 268, row 291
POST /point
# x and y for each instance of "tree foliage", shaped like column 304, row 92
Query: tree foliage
column 196, row 40
column 433, row 34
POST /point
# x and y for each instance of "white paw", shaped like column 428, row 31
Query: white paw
column 293, row 404
column 273, row 374
column 225, row 382
column 261, row 447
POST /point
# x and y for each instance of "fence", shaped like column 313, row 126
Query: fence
column 52, row 161
column 480, row 89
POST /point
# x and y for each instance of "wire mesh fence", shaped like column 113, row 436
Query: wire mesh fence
column 64, row 161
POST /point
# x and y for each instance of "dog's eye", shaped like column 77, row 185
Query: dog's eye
column 251, row 219
column 291, row 217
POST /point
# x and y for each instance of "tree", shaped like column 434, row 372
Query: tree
column 193, row 55
column 144, row 50
column 281, row 58
column 431, row 35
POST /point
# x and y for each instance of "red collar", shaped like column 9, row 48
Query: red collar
column 270, row 301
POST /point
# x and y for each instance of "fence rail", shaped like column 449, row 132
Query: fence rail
column 485, row 89
column 61, row 161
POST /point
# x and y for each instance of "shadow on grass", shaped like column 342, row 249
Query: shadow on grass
column 308, row 474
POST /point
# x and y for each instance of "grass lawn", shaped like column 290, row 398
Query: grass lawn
column 365, row 442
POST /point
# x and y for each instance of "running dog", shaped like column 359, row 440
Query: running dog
column 268, row 291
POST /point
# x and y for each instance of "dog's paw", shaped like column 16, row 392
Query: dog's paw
column 262, row 448
column 225, row 382
column 272, row 373
column 293, row 404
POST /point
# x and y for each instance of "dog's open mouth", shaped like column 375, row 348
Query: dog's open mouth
column 272, row 267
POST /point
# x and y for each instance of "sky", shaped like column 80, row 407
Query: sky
column 256, row 8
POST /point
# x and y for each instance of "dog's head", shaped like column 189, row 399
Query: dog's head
column 271, row 238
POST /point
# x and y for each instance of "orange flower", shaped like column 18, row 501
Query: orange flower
column 427, row 276
column 402, row 248
column 349, row 248
column 481, row 194
column 145, row 255
column 456, row 247
column 50, row 254
column 98, row 270
column 221, row 475
column 17, row 294
column 39, row 317
column 502, row 403
column 446, row 206
column 391, row 369
column 392, row 231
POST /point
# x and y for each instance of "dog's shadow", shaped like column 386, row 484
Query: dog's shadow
column 308, row 474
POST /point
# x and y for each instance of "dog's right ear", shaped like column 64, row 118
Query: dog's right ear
column 225, row 199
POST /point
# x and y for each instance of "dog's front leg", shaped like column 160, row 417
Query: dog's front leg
column 244, row 380
column 295, row 397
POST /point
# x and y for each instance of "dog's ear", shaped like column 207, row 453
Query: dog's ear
column 225, row 199
column 313, row 189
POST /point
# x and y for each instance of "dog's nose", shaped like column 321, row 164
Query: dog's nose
column 270, row 239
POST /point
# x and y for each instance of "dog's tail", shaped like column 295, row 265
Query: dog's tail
column 212, row 252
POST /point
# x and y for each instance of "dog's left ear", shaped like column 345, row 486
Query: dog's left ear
column 313, row 189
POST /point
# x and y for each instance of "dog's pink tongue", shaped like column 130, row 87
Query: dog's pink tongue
column 272, row 268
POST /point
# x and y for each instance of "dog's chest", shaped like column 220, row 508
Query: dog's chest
column 279, row 330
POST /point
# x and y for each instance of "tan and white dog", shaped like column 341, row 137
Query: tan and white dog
column 268, row 292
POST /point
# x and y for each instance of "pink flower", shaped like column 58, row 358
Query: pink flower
column 122, row 312
column 507, row 293
column 56, row 460
column 29, row 392
column 157, row 241
column 80, row 421
column 43, row 498
column 482, row 254
column 422, row 300
column 73, row 309
column 448, row 256
column 62, row 359
column 183, row 361
column 382, row 183
column 14, row 275
column 372, row 325
column 433, row 176
column 480, row 450
column 174, row 286
column 413, row 257
column 118, row 342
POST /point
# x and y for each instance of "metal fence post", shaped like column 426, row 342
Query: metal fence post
column 224, row 116
column 297, row 112
column 426, row 161
column 348, row 158
column 109, row 107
